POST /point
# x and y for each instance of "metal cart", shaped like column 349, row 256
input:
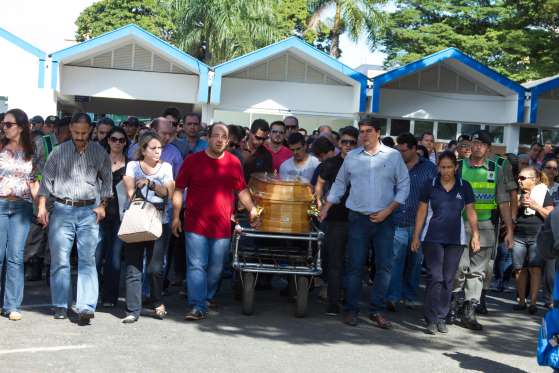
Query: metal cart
column 295, row 254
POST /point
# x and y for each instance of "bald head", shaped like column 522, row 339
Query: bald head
column 164, row 128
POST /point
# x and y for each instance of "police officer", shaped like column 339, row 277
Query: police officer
column 488, row 182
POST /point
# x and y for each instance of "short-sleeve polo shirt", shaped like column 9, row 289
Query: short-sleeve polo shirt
column 444, row 223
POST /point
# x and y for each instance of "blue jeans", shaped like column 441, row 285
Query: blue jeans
column 361, row 234
column 66, row 224
column 15, row 219
column 204, row 261
column 109, row 258
column 406, row 267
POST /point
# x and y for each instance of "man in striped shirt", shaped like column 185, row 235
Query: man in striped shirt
column 76, row 173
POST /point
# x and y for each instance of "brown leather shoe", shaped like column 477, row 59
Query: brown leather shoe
column 350, row 319
column 380, row 321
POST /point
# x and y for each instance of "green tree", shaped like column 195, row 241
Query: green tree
column 107, row 15
column 217, row 30
column 517, row 38
column 352, row 16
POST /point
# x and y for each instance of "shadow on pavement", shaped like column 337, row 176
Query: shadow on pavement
column 476, row 363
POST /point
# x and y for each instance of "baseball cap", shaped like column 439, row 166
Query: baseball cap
column 37, row 119
column 52, row 119
column 483, row 136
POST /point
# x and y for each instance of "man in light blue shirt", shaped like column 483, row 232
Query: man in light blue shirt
column 380, row 183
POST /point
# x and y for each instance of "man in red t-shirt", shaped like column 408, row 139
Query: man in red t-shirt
column 211, row 177
column 280, row 153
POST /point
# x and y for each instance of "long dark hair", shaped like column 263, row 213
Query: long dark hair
column 105, row 141
column 25, row 138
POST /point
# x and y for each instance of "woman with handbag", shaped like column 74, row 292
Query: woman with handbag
column 17, row 190
column 152, row 180
column 109, row 251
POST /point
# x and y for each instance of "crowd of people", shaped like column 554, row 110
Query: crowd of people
column 464, row 216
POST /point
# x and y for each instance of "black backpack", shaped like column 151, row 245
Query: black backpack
column 548, row 237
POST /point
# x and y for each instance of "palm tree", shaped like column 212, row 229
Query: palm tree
column 351, row 16
column 217, row 30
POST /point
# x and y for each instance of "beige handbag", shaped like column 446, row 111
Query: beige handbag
column 142, row 221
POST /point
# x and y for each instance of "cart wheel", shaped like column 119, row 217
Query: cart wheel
column 302, row 296
column 237, row 287
column 248, row 293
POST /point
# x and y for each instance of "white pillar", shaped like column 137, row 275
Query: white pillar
column 207, row 113
column 512, row 137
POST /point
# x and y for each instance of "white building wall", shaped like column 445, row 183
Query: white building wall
column 19, row 76
column 548, row 112
column 448, row 106
column 274, row 97
column 131, row 85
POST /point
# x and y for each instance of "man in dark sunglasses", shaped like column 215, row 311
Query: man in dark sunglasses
column 255, row 157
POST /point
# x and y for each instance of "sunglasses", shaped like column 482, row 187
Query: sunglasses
column 276, row 132
column 522, row 178
column 348, row 142
column 120, row 140
column 8, row 125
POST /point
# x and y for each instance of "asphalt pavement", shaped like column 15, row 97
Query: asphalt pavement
column 271, row 340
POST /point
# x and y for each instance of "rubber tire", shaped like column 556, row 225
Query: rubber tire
column 302, row 296
column 248, row 293
column 237, row 287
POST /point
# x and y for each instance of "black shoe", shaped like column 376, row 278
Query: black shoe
column 481, row 308
column 441, row 326
column 431, row 328
column 519, row 307
column 350, row 319
column 85, row 317
column 60, row 313
column 195, row 315
column 391, row 306
column 533, row 309
column 333, row 310
column 469, row 318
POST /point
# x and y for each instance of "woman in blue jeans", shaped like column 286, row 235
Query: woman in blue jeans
column 442, row 201
column 17, row 190
column 109, row 251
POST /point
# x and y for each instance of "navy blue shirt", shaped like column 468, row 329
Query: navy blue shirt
column 444, row 223
column 424, row 171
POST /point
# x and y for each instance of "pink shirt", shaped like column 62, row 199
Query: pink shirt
column 15, row 175
column 279, row 157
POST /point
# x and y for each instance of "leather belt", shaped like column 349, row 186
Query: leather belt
column 75, row 203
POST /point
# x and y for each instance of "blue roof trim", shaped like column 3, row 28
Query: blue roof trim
column 133, row 30
column 17, row 41
column 536, row 92
column 276, row 48
column 449, row 53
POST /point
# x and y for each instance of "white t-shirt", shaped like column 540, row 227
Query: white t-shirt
column 163, row 176
column 289, row 170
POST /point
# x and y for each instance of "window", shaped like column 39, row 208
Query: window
column 422, row 126
column 468, row 129
column 528, row 136
column 399, row 126
column 446, row 131
column 497, row 134
column 550, row 135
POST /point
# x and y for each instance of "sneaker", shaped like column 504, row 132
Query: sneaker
column 130, row 319
column 14, row 316
column 85, row 317
column 109, row 305
column 60, row 313
column 441, row 326
column 333, row 310
column 431, row 328
column 195, row 315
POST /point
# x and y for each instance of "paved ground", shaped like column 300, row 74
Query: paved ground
column 271, row 340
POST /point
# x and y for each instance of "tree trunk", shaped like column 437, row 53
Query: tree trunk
column 336, row 32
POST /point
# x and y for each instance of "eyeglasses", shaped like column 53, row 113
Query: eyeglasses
column 220, row 137
column 8, row 125
column 550, row 168
column 277, row 132
column 348, row 142
column 522, row 178
column 120, row 140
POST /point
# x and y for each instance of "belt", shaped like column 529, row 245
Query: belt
column 75, row 203
column 11, row 198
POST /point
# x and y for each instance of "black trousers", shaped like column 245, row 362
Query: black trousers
column 133, row 258
column 441, row 262
column 335, row 245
